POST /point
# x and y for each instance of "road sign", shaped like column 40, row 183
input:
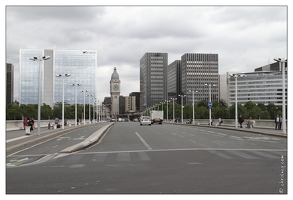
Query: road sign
column 210, row 104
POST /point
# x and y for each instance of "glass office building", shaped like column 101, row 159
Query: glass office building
column 153, row 79
column 259, row 87
column 198, row 69
column 80, row 64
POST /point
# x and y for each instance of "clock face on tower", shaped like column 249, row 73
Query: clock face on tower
column 116, row 87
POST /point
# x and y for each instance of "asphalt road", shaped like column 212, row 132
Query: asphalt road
column 167, row 159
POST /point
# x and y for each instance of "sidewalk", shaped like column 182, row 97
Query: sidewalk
column 17, row 140
column 257, row 130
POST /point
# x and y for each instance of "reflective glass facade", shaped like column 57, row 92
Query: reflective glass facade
column 81, row 65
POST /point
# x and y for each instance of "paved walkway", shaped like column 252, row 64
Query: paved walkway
column 257, row 130
column 18, row 139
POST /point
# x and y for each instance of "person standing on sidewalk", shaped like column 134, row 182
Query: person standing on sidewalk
column 240, row 120
column 277, row 122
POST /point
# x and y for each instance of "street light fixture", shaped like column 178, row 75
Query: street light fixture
column 210, row 103
column 64, row 75
column 182, row 95
column 84, row 91
column 75, row 84
column 39, row 89
column 282, row 66
column 235, row 76
column 89, row 95
column 173, row 109
column 192, row 105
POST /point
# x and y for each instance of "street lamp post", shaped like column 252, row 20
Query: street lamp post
column 39, row 89
column 84, row 91
column 282, row 66
column 65, row 75
column 210, row 108
column 192, row 105
column 76, row 84
column 89, row 108
column 235, row 76
column 173, row 109
column 182, row 95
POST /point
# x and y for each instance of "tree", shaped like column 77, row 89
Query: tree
column 46, row 112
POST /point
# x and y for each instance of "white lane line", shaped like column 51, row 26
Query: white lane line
column 221, row 134
column 181, row 136
column 192, row 140
column 54, row 146
column 144, row 142
column 18, row 138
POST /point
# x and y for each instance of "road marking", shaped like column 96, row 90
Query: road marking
column 144, row 142
column 123, row 156
column 54, row 146
column 143, row 156
column 220, row 154
column 192, row 140
column 18, row 138
column 243, row 155
column 174, row 133
column 181, row 136
column 221, row 134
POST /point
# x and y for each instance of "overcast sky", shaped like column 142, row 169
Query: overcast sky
column 244, row 37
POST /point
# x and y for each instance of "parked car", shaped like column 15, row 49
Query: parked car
column 145, row 120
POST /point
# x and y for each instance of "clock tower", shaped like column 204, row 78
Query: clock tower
column 115, row 93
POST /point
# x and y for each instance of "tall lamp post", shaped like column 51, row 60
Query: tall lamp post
column 39, row 89
column 235, row 76
column 75, row 85
column 64, row 75
column 182, row 95
column 210, row 101
column 282, row 66
column 192, row 105
column 173, row 109
column 84, row 91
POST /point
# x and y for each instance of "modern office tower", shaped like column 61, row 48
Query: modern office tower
column 80, row 64
column 153, row 82
column 198, row 70
column 9, row 83
column 137, row 99
column 174, row 80
column 259, row 87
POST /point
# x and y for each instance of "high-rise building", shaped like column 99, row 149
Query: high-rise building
column 174, row 80
column 80, row 64
column 198, row 71
column 153, row 81
column 9, row 83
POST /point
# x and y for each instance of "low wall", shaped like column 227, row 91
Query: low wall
column 18, row 124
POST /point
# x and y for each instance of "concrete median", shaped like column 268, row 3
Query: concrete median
column 88, row 141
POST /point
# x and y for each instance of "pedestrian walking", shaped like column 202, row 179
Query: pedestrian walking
column 31, row 123
column 220, row 121
column 280, row 122
column 240, row 120
column 24, row 122
column 250, row 123
column 277, row 122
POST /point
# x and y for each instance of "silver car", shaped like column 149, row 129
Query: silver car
column 145, row 120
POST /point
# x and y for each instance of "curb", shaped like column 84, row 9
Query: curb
column 88, row 141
